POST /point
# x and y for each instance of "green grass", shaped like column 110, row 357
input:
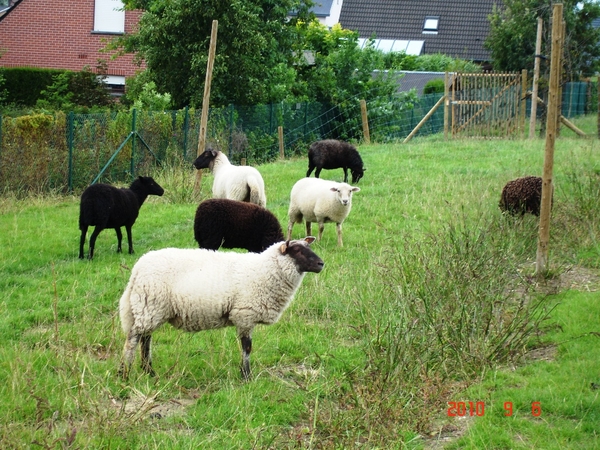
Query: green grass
column 432, row 288
column 566, row 388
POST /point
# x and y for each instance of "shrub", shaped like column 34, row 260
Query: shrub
column 75, row 91
column 24, row 84
column 434, row 86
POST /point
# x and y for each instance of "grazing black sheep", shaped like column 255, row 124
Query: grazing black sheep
column 106, row 206
column 333, row 154
column 228, row 223
column 522, row 195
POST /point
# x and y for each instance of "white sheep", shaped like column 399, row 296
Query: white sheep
column 318, row 200
column 200, row 289
column 241, row 183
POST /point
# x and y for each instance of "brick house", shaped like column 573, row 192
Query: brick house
column 66, row 34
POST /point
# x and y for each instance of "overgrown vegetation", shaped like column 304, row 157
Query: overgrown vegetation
column 513, row 33
column 433, row 288
column 80, row 92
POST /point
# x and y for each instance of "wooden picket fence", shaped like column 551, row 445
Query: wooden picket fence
column 487, row 105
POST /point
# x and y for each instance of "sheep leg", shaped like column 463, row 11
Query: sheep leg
column 308, row 228
column 321, row 228
column 318, row 172
column 129, row 239
column 345, row 174
column 246, row 339
column 290, row 228
column 311, row 167
column 119, row 239
column 146, row 355
column 339, row 234
column 128, row 353
column 84, row 229
column 93, row 237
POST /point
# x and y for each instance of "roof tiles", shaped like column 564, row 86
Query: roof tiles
column 463, row 24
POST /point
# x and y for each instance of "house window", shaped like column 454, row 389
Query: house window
column 431, row 25
column 109, row 16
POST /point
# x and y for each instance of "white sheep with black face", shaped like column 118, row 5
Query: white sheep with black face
column 200, row 289
column 321, row 201
column 241, row 183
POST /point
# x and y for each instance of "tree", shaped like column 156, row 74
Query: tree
column 513, row 35
column 341, row 69
column 257, row 47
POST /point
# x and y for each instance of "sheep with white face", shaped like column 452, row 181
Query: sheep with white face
column 321, row 201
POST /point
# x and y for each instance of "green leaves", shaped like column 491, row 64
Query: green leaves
column 514, row 28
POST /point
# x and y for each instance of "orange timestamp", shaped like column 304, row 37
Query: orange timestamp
column 462, row 409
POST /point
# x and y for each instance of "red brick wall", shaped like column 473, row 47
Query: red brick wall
column 58, row 35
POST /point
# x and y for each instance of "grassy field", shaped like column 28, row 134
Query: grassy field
column 432, row 299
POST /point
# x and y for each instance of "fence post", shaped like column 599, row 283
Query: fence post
column 365, row 121
column 551, row 132
column 523, row 105
column 281, row 146
column 231, row 125
column 446, row 104
column 536, row 78
column 305, row 119
column 186, row 124
column 70, row 120
column 133, row 132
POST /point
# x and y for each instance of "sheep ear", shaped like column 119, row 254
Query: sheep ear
column 283, row 247
column 213, row 152
column 333, row 189
column 355, row 189
column 309, row 239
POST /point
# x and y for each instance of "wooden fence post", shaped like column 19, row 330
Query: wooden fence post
column 206, row 99
column 365, row 121
column 536, row 78
column 446, row 104
column 551, row 130
column 281, row 147
column 523, row 103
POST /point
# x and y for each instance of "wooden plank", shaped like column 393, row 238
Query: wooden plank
column 424, row 119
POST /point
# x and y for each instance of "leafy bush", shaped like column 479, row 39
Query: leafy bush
column 436, row 86
column 75, row 91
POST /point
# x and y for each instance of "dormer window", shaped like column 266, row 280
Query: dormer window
column 430, row 26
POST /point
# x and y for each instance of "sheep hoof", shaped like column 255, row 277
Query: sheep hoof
column 246, row 376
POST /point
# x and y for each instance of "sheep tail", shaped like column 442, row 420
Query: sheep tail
column 125, row 308
column 257, row 195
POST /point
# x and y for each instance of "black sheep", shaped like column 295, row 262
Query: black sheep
column 333, row 154
column 228, row 223
column 522, row 195
column 106, row 206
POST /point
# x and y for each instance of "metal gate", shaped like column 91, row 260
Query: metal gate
column 488, row 105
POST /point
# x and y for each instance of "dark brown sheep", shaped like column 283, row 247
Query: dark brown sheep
column 333, row 154
column 228, row 223
column 522, row 195
column 105, row 206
